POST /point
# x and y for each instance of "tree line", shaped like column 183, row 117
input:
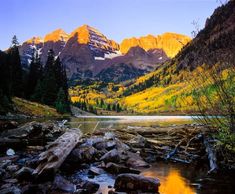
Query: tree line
column 44, row 84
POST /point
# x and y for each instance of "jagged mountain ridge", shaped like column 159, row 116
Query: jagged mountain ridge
column 86, row 52
column 170, row 43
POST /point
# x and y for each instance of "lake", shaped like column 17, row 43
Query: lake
column 90, row 123
column 175, row 178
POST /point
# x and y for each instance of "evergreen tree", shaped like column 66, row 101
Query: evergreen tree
column 5, row 100
column 61, row 103
column 49, row 82
column 15, row 78
column 35, row 74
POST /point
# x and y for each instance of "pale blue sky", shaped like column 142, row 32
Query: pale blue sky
column 117, row 19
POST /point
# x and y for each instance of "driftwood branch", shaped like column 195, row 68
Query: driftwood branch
column 57, row 152
column 211, row 156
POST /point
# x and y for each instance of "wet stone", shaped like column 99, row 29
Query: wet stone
column 11, row 190
column 24, row 174
column 111, row 156
column 133, row 182
column 62, row 184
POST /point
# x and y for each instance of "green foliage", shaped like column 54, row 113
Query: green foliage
column 61, row 104
column 51, row 85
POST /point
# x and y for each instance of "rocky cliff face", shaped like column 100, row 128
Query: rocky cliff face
column 170, row 43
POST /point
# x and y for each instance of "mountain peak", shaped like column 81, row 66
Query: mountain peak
column 56, row 35
column 35, row 40
column 170, row 42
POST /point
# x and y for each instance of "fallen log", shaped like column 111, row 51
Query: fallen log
column 57, row 152
column 211, row 155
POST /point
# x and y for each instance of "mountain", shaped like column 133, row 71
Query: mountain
column 170, row 43
column 136, row 62
column 86, row 52
column 55, row 40
column 85, row 46
column 166, row 88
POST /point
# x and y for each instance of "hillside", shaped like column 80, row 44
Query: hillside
column 29, row 108
column 166, row 88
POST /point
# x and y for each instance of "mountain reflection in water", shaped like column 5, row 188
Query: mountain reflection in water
column 171, row 179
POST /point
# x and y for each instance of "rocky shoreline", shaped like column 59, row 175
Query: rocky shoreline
column 120, row 153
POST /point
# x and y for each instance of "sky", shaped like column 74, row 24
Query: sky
column 116, row 19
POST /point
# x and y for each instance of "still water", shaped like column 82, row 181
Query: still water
column 174, row 178
column 91, row 123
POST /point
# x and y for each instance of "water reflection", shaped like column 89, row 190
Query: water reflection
column 172, row 183
column 88, row 123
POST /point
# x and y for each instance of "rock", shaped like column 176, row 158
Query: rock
column 10, row 152
column 24, row 174
column 119, row 169
column 83, row 154
column 12, row 168
column 63, row 185
column 107, row 144
column 8, row 125
column 11, row 190
column 133, row 182
column 135, row 161
column 111, row 156
column 35, row 189
column 2, row 173
column 5, row 163
column 11, row 181
column 90, row 187
column 109, row 136
column 138, row 141
column 95, row 171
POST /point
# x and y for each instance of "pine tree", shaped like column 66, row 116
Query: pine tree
column 15, row 78
column 5, row 99
column 61, row 103
column 49, row 87
column 35, row 74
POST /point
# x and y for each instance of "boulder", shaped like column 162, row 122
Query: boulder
column 136, row 161
column 35, row 189
column 106, row 144
column 62, row 184
column 7, row 125
column 133, row 182
column 90, row 187
column 10, row 190
column 119, row 169
column 111, row 156
column 12, row 168
column 24, row 174
column 83, row 154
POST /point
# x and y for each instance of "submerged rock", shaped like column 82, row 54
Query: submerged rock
column 90, row 187
column 136, row 161
column 62, row 184
column 119, row 169
column 133, row 182
column 95, row 171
